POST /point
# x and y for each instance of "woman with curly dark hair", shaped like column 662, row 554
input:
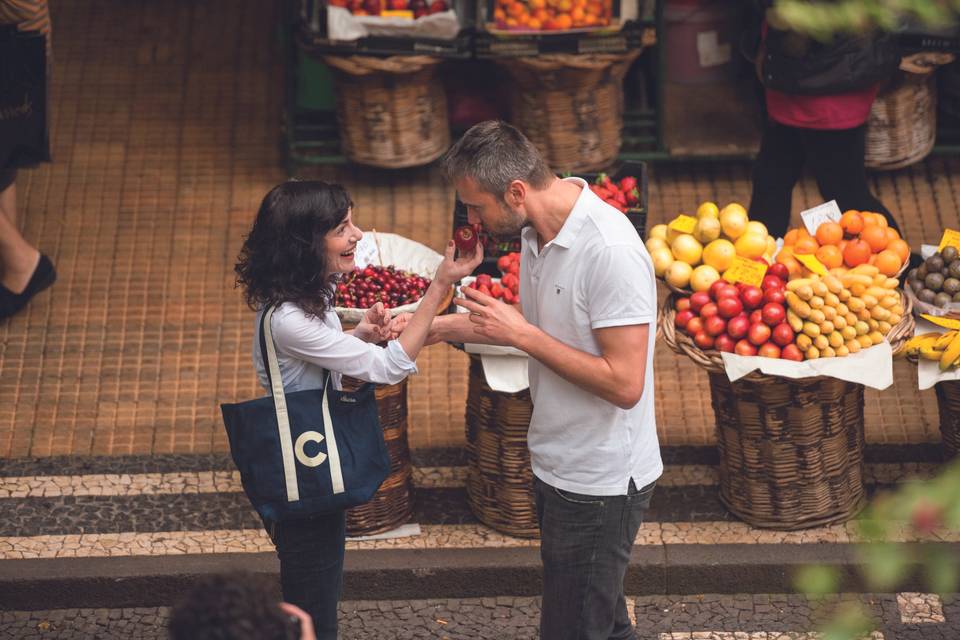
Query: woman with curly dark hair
column 303, row 238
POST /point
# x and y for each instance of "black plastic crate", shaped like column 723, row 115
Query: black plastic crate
column 637, row 215
column 460, row 47
column 633, row 35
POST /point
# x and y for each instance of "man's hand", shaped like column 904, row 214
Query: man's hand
column 375, row 326
column 494, row 319
column 304, row 621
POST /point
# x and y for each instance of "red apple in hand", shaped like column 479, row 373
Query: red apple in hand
column 465, row 238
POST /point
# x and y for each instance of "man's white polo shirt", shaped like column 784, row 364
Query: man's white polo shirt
column 596, row 273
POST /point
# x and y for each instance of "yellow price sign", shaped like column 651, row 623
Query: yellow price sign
column 746, row 271
column 950, row 238
column 810, row 262
column 683, row 224
column 397, row 13
column 940, row 321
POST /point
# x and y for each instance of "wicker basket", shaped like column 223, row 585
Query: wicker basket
column 499, row 477
column 392, row 111
column 791, row 451
column 391, row 505
column 902, row 127
column 948, row 403
column 571, row 106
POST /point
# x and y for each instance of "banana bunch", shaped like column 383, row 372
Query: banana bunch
column 841, row 313
column 940, row 347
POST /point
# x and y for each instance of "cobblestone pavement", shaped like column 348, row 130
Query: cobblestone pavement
column 698, row 617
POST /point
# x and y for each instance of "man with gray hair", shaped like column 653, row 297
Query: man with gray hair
column 589, row 301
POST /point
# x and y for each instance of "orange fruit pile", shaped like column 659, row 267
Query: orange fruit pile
column 861, row 237
column 552, row 15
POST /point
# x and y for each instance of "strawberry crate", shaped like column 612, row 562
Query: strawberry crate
column 637, row 215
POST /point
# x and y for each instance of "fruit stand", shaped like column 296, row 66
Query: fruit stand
column 789, row 334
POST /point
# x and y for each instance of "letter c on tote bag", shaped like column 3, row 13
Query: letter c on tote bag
column 306, row 452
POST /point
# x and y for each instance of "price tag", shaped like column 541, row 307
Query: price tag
column 746, row 271
column 810, row 262
column 946, row 323
column 950, row 238
column 813, row 218
column 683, row 224
column 397, row 13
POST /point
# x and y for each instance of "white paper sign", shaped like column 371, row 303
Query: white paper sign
column 813, row 218
column 871, row 367
column 709, row 50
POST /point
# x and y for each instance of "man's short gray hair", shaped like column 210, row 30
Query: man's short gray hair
column 494, row 154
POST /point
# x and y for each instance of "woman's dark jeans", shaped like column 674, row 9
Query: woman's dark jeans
column 311, row 566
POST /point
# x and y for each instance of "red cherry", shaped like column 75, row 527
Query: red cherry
column 758, row 334
column 782, row 334
column 709, row 309
column 729, row 307
column 694, row 326
column 769, row 350
column 791, row 352
column 773, row 313
column 744, row 348
column 683, row 317
column 715, row 325
column 724, row 342
column 738, row 327
column 699, row 299
column 703, row 340
column 752, row 297
column 779, row 270
column 771, row 282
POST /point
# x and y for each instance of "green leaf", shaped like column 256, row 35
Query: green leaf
column 817, row 581
column 942, row 570
column 884, row 564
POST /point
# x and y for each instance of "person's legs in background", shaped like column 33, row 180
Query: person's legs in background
column 24, row 271
column 311, row 566
column 837, row 161
column 776, row 170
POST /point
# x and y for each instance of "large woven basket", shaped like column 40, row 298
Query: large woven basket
column 392, row 505
column 499, row 477
column 791, row 451
column 948, row 403
column 392, row 111
column 571, row 106
column 902, row 127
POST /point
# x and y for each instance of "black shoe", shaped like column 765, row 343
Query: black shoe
column 43, row 276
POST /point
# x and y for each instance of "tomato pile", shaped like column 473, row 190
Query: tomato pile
column 376, row 7
column 507, row 287
column 363, row 288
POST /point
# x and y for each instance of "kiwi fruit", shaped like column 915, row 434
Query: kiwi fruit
column 951, row 286
column 955, row 269
column 922, row 271
column 916, row 285
column 956, row 297
column 934, row 263
column 912, row 274
column 934, row 281
column 949, row 254
column 942, row 299
column 927, row 296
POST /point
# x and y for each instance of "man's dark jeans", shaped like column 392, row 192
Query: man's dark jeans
column 585, row 546
column 311, row 566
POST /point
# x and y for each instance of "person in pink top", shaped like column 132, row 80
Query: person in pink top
column 823, row 130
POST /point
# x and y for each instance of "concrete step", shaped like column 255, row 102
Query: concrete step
column 136, row 531
column 901, row 616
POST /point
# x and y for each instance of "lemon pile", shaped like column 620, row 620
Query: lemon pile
column 697, row 260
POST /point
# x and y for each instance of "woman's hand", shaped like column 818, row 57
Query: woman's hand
column 452, row 271
column 398, row 324
column 375, row 326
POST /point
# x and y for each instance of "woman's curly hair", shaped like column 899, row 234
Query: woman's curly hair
column 284, row 258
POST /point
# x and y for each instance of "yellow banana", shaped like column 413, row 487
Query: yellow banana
column 951, row 353
column 944, row 340
column 929, row 353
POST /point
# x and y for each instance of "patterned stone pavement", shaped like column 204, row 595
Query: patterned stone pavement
column 697, row 617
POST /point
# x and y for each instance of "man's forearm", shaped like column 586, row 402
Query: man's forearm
column 456, row 327
column 585, row 370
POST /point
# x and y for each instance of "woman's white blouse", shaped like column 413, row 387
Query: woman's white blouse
column 308, row 346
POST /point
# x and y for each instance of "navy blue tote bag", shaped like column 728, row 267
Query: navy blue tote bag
column 306, row 452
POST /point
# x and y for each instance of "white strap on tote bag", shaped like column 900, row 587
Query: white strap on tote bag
column 283, row 422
